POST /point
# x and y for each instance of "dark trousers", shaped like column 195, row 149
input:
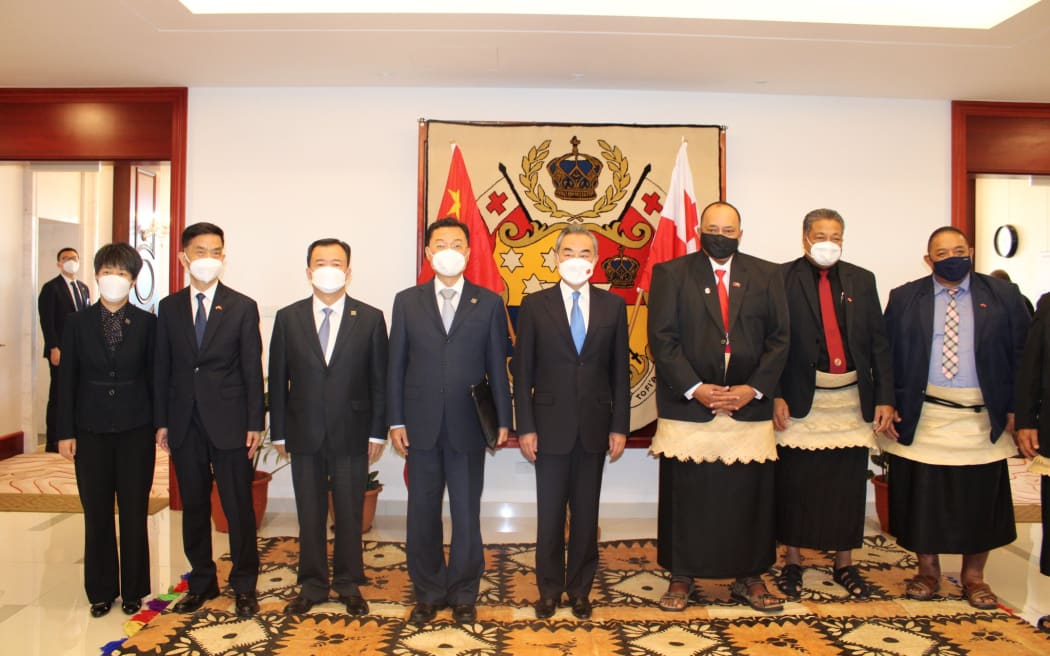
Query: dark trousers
column 575, row 479
column 195, row 461
column 430, row 471
column 116, row 465
column 1044, row 556
column 51, row 416
column 311, row 475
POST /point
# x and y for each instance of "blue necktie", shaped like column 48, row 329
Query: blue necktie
column 77, row 296
column 201, row 322
column 576, row 327
column 323, row 332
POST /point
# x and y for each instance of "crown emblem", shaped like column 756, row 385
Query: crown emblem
column 620, row 270
column 575, row 175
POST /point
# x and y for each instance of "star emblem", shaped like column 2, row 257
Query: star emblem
column 534, row 284
column 550, row 260
column 511, row 260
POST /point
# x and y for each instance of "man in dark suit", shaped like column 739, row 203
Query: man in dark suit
column 446, row 335
column 837, row 382
column 210, row 413
column 1033, row 419
column 328, row 410
column 59, row 297
column 718, row 330
column 956, row 340
column 572, row 385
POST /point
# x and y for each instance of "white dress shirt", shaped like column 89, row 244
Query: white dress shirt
column 209, row 297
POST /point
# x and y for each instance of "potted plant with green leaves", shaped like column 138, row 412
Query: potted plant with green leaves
column 881, row 483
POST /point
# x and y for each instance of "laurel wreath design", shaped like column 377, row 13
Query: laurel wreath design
column 532, row 164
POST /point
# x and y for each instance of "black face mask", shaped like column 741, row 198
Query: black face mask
column 718, row 246
column 952, row 269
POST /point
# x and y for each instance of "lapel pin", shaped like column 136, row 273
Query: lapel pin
column 849, row 299
column 984, row 305
column 218, row 307
column 353, row 313
column 474, row 300
column 707, row 290
column 127, row 322
column 734, row 284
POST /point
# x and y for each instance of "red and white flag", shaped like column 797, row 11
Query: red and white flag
column 458, row 202
column 676, row 233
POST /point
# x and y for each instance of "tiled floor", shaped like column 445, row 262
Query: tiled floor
column 43, row 610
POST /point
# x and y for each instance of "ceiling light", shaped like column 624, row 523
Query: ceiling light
column 970, row 14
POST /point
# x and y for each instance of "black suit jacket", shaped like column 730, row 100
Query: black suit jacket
column 1001, row 324
column 561, row 394
column 430, row 373
column 336, row 405
column 223, row 378
column 865, row 331
column 101, row 391
column 55, row 304
column 687, row 338
column 1033, row 380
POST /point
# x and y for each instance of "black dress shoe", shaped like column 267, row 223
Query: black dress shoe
column 465, row 613
column 131, row 606
column 581, row 607
column 545, row 608
column 299, row 606
column 247, row 605
column 192, row 601
column 101, row 608
column 424, row 612
column 356, row 606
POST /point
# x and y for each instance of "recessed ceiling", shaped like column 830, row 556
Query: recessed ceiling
column 161, row 43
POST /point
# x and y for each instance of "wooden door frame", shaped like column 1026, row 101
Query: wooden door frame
column 994, row 137
column 130, row 124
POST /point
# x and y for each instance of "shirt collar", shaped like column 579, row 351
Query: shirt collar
column 336, row 308
column 715, row 266
column 566, row 291
column 438, row 286
column 209, row 293
column 963, row 286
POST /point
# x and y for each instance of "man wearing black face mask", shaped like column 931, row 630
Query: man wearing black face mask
column 956, row 340
column 718, row 330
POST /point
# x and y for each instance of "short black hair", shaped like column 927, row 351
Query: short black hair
column 447, row 222
column 700, row 216
column 328, row 241
column 941, row 231
column 119, row 256
column 63, row 250
column 203, row 228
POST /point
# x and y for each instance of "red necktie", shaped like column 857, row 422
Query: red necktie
column 836, row 353
column 723, row 301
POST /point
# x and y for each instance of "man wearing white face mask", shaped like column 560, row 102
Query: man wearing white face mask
column 59, row 297
column 446, row 335
column 106, row 426
column 571, row 382
column 328, row 410
column 836, row 390
column 209, row 411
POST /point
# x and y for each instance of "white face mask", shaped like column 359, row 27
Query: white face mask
column 576, row 270
column 328, row 279
column 114, row 288
column 71, row 266
column 824, row 253
column 448, row 263
column 206, row 269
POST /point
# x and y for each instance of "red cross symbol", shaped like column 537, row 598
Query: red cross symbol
column 652, row 202
column 496, row 200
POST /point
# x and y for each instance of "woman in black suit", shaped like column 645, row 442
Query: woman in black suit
column 106, row 429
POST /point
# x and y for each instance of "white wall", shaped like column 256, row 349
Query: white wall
column 1015, row 200
column 278, row 168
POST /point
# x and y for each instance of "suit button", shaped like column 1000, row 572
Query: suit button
column 112, row 392
column 112, row 374
column 196, row 369
column 722, row 341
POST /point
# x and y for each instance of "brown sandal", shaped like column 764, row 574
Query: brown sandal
column 922, row 587
column 980, row 596
column 676, row 598
column 763, row 602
